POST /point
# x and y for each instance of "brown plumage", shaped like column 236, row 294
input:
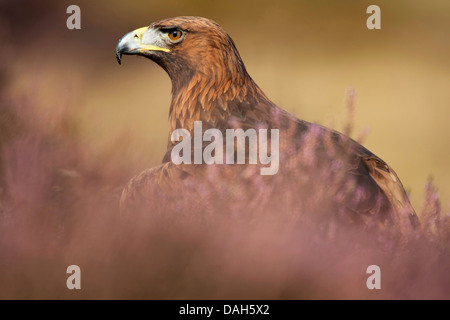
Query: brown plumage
column 210, row 83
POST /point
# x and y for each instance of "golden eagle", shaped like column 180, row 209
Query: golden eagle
column 211, row 84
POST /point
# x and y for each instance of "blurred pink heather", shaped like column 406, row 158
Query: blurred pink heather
column 232, row 235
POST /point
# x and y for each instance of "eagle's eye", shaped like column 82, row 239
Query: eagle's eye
column 175, row 35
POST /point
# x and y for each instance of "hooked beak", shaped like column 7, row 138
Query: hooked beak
column 131, row 43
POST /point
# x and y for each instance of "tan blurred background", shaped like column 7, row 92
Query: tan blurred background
column 303, row 54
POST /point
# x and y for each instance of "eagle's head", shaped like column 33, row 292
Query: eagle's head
column 184, row 47
column 209, row 79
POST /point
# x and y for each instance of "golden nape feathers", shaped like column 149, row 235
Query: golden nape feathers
column 210, row 84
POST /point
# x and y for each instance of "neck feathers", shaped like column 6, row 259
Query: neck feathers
column 212, row 86
column 213, row 100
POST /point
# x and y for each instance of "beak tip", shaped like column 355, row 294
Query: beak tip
column 119, row 57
